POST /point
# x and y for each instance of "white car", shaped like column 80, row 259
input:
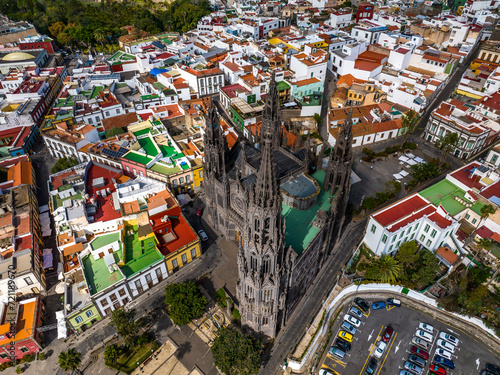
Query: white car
column 443, row 353
column 450, row 338
column 424, row 335
column 421, row 342
column 326, row 372
column 426, row 327
column 351, row 319
column 380, row 349
column 446, row 345
column 202, row 235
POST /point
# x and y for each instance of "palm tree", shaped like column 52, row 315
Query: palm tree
column 111, row 353
column 69, row 360
column 100, row 36
column 388, row 268
column 485, row 211
column 483, row 243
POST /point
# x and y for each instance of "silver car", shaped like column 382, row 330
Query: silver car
column 446, row 345
column 424, row 335
column 450, row 338
column 413, row 368
column 420, row 342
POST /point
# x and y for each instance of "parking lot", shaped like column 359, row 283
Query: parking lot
column 469, row 358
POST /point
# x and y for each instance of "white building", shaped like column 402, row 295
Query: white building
column 340, row 18
column 309, row 65
column 413, row 218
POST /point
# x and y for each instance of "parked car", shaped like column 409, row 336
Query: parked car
column 199, row 211
column 435, row 369
column 446, row 345
column 356, row 312
column 394, row 302
column 380, row 349
column 336, row 352
column 413, row 368
column 351, row 319
column 424, row 335
column 426, row 327
column 372, row 365
column 492, row 368
column 450, row 338
column 342, row 344
column 362, row 304
column 327, row 372
column 420, row 342
column 420, row 352
column 417, row 360
column 346, row 336
column 484, row 372
column 443, row 361
column 443, row 353
column 202, row 235
column 378, row 305
column 387, row 334
column 349, row 328
column 404, row 372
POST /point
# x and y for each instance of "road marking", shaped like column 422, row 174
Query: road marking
column 367, row 315
column 330, row 368
column 388, row 351
column 397, row 347
column 477, row 363
column 336, row 360
column 371, row 350
column 370, row 335
column 389, row 308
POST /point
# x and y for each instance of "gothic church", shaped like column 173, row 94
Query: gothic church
column 285, row 219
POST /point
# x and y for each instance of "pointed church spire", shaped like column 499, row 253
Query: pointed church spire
column 271, row 122
column 266, row 193
column 215, row 143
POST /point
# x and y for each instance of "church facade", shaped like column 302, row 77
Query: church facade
column 285, row 219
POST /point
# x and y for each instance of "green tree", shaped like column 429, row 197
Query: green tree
column 409, row 124
column 112, row 353
column 424, row 171
column 100, row 36
column 185, row 302
column 388, row 268
column 445, row 145
column 369, row 203
column 317, row 118
column 426, row 268
column 407, row 254
column 64, row 163
column 235, row 353
column 392, row 187
column 69, row 360
column 125, row 323
column 486, row 211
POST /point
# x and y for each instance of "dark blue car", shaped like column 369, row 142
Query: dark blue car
column 378, row 305
column 443, row 361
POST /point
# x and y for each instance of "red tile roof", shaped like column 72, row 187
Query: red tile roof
column 184, row 234
column 400, row 210
column 105, row 207
column 447, row 255
column 492, row 191
column 463, row 176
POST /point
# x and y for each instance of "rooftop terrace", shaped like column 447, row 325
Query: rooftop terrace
column 97, row 273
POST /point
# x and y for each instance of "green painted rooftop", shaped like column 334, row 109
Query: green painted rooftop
column 97, row 274
column 149, row 146
column 105, row 239
column 282, row 85
column 139, row 254
column 443, row 193
column 299, row 229
column 58, row 202
column 137, row 157
column 164, row 169
column 141, row 132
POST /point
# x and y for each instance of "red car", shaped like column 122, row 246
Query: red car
column 435, row 369
column 198, row 211
column 387, row 334
column 420, row 352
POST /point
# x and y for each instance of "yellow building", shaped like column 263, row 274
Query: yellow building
column 197, row 169
column 177, row 240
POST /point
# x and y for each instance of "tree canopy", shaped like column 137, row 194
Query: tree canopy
column 236, row 353
column 446, row 144
column 64, row 163
column 73, row 22
column 185, row 302
column 124, row 322
column 409, row 124
column 69, row 360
